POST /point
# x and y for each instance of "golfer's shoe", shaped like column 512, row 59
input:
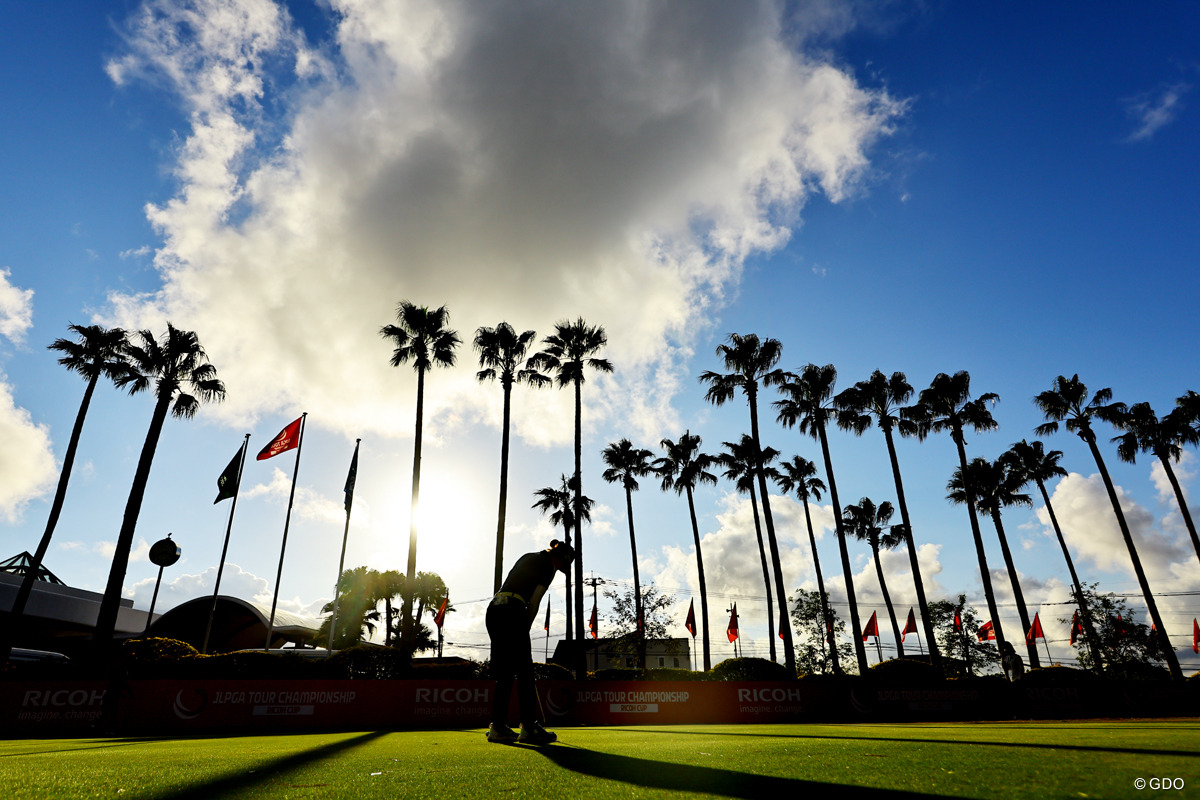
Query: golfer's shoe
column 534, row 733
column 501, row 734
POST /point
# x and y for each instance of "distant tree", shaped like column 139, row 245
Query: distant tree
column 997, row 485
column 751, row 364
column 357, row 615
column 869, row 523
column 1128, row 648
column 625, row 464
column 94, row 355
column 178, row 371
column 622, row 619
column 422, row 337
column 961, row 647
column 502, row 356
column 818, row 628
column 1067, row 401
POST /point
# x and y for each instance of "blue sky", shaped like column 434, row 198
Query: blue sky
column 1010, row 190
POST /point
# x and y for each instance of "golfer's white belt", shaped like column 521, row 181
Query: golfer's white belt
column 502, row 598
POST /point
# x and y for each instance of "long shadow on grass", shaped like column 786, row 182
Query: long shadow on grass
column 1133, row 751
column 700, row 780
column 234, row 783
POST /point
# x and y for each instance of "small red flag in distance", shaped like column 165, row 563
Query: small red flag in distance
column 910, row 626
column 1076, row 627
column 288, row 439
column 732, row 630
column 781, row 627
column 440, row 616
column 958, row 619
column 986, row 632
column 592, row 622
column 690, row 624
column 1195, row 636
column 872, row 628
column 1035, row 631
column 546, row 628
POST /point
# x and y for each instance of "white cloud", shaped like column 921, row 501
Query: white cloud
column 1152, row 111
column 16, row 309
column 27, row 468
column 530, row 164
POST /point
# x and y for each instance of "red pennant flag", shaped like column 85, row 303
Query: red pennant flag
column 781, row 627
column 288, row 439
column 986, row 632
column 1195, row 636
column 546, row 627
column 910, row 626
column 440, row 616
column 690, row 623
column 872, row 628
column 1076, row 627
column 958, row 619
column 592, row 622
column 1035, row 631
column 732, row 630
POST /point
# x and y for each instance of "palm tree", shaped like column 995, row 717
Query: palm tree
column 171, row 365
column 750, row 363
column 869, row 523
column 1067, row 401
column 96, row 354
column 501, row 351
column 800, row 476
column 565, row 506
column 681, row 469
column 947, row 406
column 357, row 597
column 386, row 586
column 739, row 463
column 808, row 404
column 878, row 399
column 568, row 352
column 422, row 338
column 626, row 464
column 1031, row 461
column 995, row 485
column 1165, row 438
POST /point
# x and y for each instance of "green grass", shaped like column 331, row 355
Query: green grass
column 983, row 760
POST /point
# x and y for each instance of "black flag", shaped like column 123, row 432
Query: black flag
column 227, row 484
column 351, row 477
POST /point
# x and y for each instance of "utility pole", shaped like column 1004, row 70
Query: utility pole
column 594, row 624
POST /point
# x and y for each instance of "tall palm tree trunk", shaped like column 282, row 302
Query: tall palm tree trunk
column 1089, row 631
column 407, row 629
column 887, row 601
column 1018, row 595
column 581, row 657
column 789, row 650
column 639, row 630
column 703, row 585
column 859, row 649
column 60, row 495
column 935, row 657
column 106, row 620
column 984, row 574
column 812, row 544
column 567, row 610
column 1181, row 500
column 501, row 513
column 1151, row 606
column 762, row 554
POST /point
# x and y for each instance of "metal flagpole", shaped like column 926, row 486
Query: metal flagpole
column 1046, row 642
column 350, row 480
column 225, row 547
column 286, row 522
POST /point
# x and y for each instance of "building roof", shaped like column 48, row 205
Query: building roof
column 20, row 565
column 237, row 625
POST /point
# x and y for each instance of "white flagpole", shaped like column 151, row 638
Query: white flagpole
column 345, row 536
column 286, row 522
column 225, row 547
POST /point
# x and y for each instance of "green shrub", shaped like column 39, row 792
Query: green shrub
column 749, row 669
column 551, row 672
column 1057, row 675
column 905, row 671
column 155, row 649
column 256, row 665
column 617, row 674
column 672, row 674
column 365, row 662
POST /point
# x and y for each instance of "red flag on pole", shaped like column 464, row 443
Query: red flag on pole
column 1120, row 627
column 872, row 628
column 910, row 626
column 546, row 627
column 690, row 623
column 1076, row 627
column 780, row 627
column 1035, row 631
column 288, row 439
column 1195, row 636
column 732, row 630
column 592, row 622
column 958, row 619
column 440, row 616
column 986, row 632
